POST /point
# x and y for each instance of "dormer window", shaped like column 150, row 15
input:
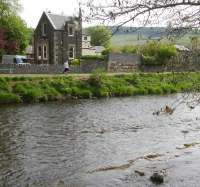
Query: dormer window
column 44, row 29
column 71, row 30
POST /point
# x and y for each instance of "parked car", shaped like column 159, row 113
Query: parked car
column 15, row 59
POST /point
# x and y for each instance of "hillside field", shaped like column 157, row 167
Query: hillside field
column 133, row 39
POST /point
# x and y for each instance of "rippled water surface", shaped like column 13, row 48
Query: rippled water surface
column 99, row 143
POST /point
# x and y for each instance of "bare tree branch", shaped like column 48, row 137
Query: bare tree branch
column 180, row 13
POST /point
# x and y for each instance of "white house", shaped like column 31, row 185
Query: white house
column 87, row 48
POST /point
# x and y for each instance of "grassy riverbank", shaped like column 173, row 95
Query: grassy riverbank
column 50, row 88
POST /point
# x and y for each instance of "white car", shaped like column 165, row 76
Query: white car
column 15, row 59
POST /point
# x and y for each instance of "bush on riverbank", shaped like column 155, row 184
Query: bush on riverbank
column 123, row 49
column 99, row 84
column 156, row 53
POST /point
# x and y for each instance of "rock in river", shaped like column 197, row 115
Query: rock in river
column 157, row 178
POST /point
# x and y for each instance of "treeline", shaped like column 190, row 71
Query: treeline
column 14, row 33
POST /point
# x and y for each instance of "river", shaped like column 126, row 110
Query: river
column 99, row 143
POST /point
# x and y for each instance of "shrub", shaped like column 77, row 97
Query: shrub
column 123, row 49
column 85, row 94
column 154, row 90
column 19, row 78
column 58, row 85
column 155, row 53
column 128, row 49
column 33, row 95
column 81, row 93
column 76, row 62
column 150, row 60
column 167, row 88
column 4, row 86
column 8, row 98
column 166, row 51
column 142, row 91
column 96, row 78
column 51, row 94
column 67, row 91
column 106, row 51
column 133, row 79
column 19, row 89
column 103, row 93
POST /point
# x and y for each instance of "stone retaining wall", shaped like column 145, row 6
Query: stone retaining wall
column 115, row 63
column 89, row 65
column 169, row 67
column 123, row 62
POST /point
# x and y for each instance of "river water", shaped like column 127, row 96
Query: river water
column 99, row 143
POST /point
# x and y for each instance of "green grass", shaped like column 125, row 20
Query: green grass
column 9, row 98
column 52, row 88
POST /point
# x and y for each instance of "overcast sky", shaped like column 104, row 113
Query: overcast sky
column 32, row 9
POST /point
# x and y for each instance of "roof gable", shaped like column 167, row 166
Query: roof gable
column 57, row 21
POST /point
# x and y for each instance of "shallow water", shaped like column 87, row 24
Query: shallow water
column 99, row 143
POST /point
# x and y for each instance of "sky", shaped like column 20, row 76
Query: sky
column 33, row 9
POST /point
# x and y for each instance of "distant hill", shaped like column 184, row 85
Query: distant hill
column 138, row 36
column 147, row 31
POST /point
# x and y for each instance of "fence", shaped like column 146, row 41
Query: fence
column 35, row 69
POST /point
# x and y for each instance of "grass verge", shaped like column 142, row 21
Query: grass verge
column 41, row 89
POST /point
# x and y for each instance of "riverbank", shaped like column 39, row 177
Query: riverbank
column 22, row 89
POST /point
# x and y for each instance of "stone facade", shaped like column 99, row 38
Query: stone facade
column 57, row 38
column 123, row 62
column 89, row 65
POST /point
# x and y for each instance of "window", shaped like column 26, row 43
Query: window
column 44, row 52
column 71, row 30
column 85, row 37
column 71, row 52
column 39, row 52
column 44, row 29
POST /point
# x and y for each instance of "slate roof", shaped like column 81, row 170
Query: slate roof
column 58, row 21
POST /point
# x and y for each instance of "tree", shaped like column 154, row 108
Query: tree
column 182, row 14
column 100, row 35
column 14, row 34
column 9, row 8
